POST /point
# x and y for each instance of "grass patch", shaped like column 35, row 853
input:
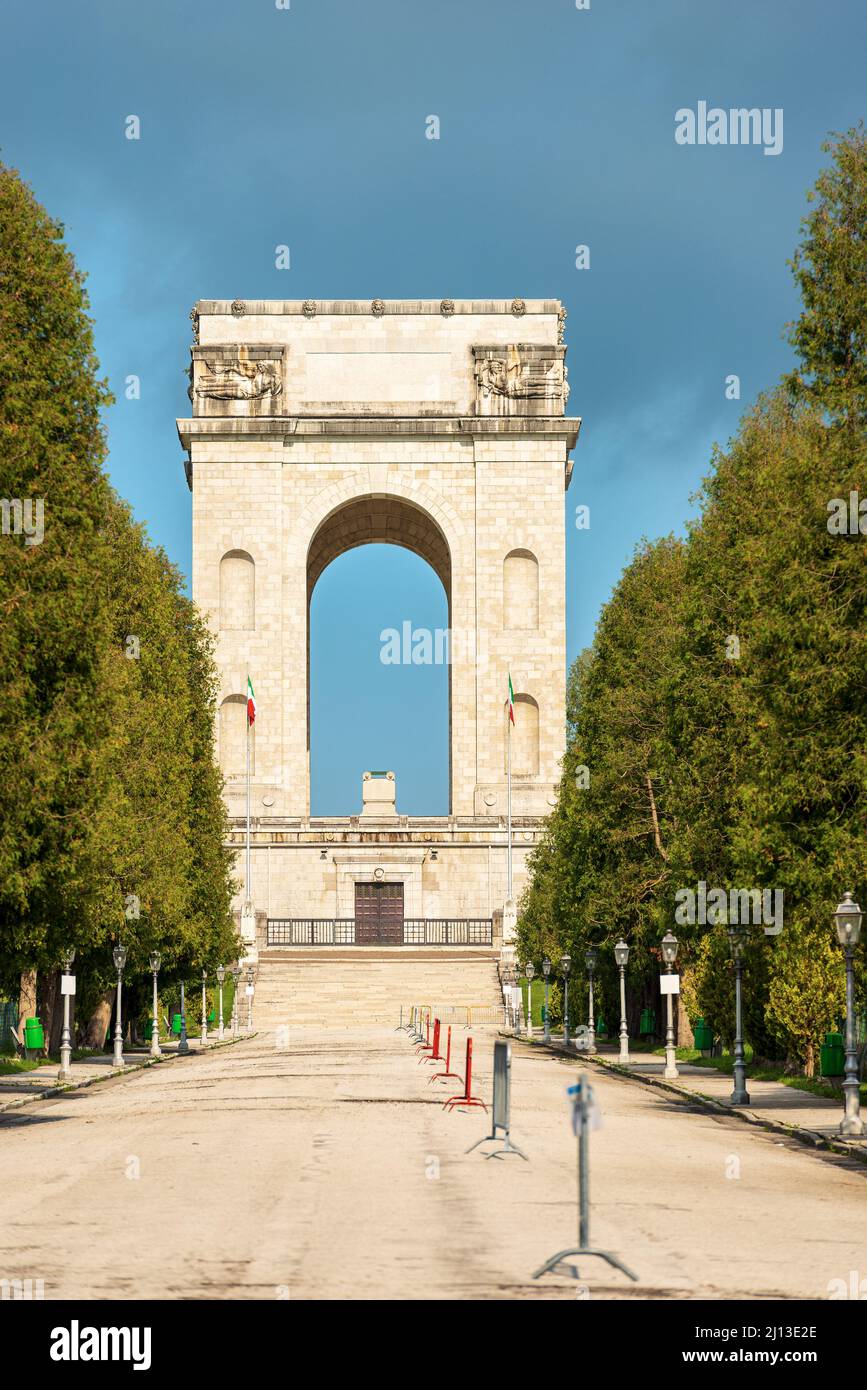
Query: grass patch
column 14, row 1066
column 826, row 1087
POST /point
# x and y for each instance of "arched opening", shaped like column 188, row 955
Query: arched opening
column 379, row 688
column 237, row 592
column 525, row 738
column 233, row 738
column 520, row 590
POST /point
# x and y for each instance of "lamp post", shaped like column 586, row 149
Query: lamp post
column 119, row 954
column 507, row 980
column 221, row 975
column 235, row 972
column 155, row 1029
column 565, row 966
column 621, row 955
column 591, row 955
column 66, row 1035
column 183, row 1044
column 204, row 1008
column 669, row 955
column 847, row 919
column 546, row 971
column 250, row 988
column 737, row 941
column 530, row 971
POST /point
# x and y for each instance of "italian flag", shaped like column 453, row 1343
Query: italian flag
column 511, row 700
column 251, row 702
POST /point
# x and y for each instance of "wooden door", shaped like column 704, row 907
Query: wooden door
column 379, row 914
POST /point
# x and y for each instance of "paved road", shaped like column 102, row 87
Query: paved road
column 329, row 1170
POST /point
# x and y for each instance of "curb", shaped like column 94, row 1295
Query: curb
column 804, row 1136
column 114, row 1074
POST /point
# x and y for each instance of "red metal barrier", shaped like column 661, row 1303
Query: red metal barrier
column 435, row 1054
column 467, row 1098
column 441, row 1075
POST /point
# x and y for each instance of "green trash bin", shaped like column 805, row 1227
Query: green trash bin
column 831, row 1055
column 647, row 1026
column 601, row 1030
column 34, row 1038
column 703, row 1035
column 176, row 1025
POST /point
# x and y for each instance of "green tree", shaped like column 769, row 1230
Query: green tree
column 830, row 266
column 112, row 824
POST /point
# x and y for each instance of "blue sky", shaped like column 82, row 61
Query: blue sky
column 306, row 127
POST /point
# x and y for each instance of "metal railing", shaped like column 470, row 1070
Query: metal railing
column 447, row 931
column 417, row 931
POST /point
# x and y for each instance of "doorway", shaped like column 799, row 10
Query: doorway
column 379, row 914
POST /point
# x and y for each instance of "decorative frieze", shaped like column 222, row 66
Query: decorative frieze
column 520, row 379
column 237, row 379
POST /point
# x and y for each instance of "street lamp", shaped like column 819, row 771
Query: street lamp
column 621, row 955
column 221, row 975
column 155, row 1029
column 591, row 955
column 68, row 987
column 565, row 966
column 119, row 954
column 183, row 1044
column 669, row 955
column 204, row 1008
column 530, row 971
column 737, row 941
column 235, row 972
column 847, row 919
column 250, row 988
column 546, row 971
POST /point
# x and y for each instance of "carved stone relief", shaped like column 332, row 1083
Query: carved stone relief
column 237, row 380
column 520, row 379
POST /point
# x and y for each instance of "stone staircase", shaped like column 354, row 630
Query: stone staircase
column 334, row 988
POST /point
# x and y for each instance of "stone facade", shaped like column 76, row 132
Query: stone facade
column 438, row 425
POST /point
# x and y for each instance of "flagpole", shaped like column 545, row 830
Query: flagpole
column 247, row 889
column 509, row 802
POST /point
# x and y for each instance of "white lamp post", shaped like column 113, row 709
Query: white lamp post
column 221, row 975
column 591, row 955
column 119, row 954
column 669, row 955
column 546, row 971
column 621, row 955
column 68, row 987
column 183, row 1043
column 204, row 1008
column 235, row 972
column 847, row 919
column 530, row 972
column 565, row 966
column 250, row 988
column 155, row 1028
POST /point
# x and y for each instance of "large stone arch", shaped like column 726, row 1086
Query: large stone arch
column 364, row 510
